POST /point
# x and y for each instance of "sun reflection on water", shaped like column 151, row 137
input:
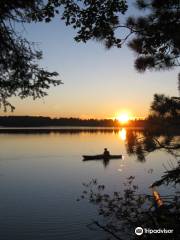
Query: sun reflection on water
column 122, row 134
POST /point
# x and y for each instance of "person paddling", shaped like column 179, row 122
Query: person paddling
column 106, row 152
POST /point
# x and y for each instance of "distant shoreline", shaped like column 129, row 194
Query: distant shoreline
column 33, row 121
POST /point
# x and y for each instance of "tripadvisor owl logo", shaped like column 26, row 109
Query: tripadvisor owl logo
column 139, row 231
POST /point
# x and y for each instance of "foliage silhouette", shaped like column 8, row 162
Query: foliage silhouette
column 123, row 211
column 171, row 176
column 20, row 74
column 156, row 40
column 142, row 143
column 154, row 37
column 163, row 106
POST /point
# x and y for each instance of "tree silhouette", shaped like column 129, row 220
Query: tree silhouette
column 20, row 74
column 157, row 35
column 121, row 212
column 141, row 144
column 154, row 37
column 164, row 106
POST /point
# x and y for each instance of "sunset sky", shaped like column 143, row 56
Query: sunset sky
column 98, row 83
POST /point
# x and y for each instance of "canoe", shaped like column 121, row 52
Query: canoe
column 100, row 157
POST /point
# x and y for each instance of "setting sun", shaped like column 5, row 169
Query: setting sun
column 123, row 118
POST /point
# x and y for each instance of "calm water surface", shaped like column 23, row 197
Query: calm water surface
column 41, row 177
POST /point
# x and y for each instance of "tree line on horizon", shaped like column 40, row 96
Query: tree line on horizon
column 30, row 121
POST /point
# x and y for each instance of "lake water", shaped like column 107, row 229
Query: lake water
column 41, row 176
